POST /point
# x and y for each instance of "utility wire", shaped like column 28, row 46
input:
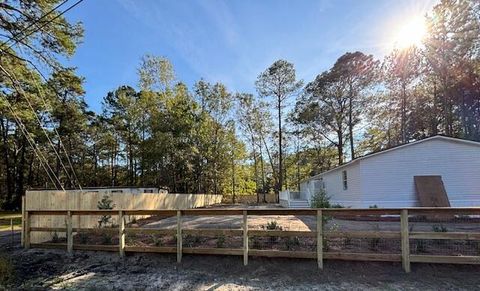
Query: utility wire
column 77, row 181
column 42, row 97
column 13, row 37
column 22, row 92
column 45, row 24
column 43, row 161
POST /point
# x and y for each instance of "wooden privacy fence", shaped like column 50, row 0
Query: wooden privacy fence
column 428, row 235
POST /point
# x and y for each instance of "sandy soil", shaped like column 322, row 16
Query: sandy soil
column 49, row 270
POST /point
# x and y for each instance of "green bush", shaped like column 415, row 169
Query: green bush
column 320, row 200
column 374, row 206
column 106, row 203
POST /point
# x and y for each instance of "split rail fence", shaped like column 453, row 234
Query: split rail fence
column 410, row 235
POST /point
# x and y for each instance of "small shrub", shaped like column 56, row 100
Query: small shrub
column 374, row 206
column 6, row 272
column 55, row 237
column 273, row 225
column 220, row 241
column 291, row 242
column 157, row 241
column 421, row 246
column 105, row 203
column 83, row 237
column 439, row 228
column 256, row 244
column 106, row 238
column 337, row 205
column 374, row 242
column 320, row 200
column 191, row 240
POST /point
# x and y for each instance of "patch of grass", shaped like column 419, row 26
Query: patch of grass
column 7, row 272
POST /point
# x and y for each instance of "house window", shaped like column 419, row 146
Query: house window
column 148, row 191
column 345, row 180
column 117, row 191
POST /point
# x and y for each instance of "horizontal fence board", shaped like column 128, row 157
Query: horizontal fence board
column 107, row 248
column 212, row 232
column 213, row 251
column 282, row 254
column 49, row 245
column 282, row 233
column 150, row 230
column 362, row 234
column 143, row 249
column 159, row 212
column 445, row 235
column 49, row 229
column 211, row 211
column 445, row 259
column 362, row 257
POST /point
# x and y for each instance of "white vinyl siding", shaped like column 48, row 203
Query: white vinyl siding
column 389, row 176
column 386, row 179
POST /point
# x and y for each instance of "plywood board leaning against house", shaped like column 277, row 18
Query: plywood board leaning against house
column 431, row 191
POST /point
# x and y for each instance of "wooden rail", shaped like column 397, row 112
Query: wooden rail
column 319, row 234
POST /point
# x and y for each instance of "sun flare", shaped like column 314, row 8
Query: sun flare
column 411, row 34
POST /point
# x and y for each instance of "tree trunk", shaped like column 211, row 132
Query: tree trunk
column 280, row 151
column 350, row 123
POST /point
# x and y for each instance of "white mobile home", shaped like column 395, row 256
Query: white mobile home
column 386, row 178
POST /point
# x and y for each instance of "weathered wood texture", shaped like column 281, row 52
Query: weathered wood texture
column 76, row 200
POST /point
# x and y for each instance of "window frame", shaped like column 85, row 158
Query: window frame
column 345, row 180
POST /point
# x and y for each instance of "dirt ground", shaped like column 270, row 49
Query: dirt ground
column 54, row 269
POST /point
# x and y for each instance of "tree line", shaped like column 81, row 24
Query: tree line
column 207, row 138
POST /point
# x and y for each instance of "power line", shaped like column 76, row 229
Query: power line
column 37, row 151
column 45, row 24
column 33, row 23
column 21, row 91
column 77, row 181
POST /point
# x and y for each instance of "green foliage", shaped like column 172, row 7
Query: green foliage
column 105, row 203
column 320, row 200
column 373, row 206
column 273, row 225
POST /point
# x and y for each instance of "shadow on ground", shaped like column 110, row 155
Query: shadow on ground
column 53, row 269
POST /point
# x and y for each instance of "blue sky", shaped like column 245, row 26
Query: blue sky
column 229, row 41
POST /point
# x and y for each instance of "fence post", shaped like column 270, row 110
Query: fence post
column 121, row 233
column 12, row 233
column 320, row 239
column 245, row 238
column 179, row 236
column 69, row 233
column 27, row 230
column 405, row 240
column 22, row 233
